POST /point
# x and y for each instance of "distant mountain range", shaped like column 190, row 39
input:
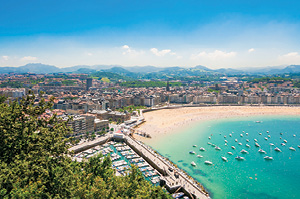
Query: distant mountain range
column 39, row 68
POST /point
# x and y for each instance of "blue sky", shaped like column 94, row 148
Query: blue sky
column 161, row 33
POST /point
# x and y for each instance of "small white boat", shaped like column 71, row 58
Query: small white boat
column 268, row 158
column 193, row 163
column 208, row 143
column 239, row 158
column 260, row 133
column 202, row 149
column 247, row 145
column 241, row 135
column 271, row 144
column 194, row 145
column 199, row 156
column 298, row 146
column 192, row 152
column 230, row 153
column 240, row 144
column 225, row 159
column 267, row 131
column 225, row 141
column 208, row 162
column 232, row 147
column 282, row 144
column 266, row 138
column 294, row 135
column 244, row 151
column 285, row 141
column 217, row 148
column 177, row 195
column 255, row 140
column 269, row 136
column 247, row 140
column 209, row 137
column 292, row 149
column 257, row 145
column 243, row 131
column 246, row 133
column 235, row 140
column 261, row 151
column 225, row 144
column 277, row 149
column 230, row 135
column 258, row 121
column 281, row 133
column 224, row 136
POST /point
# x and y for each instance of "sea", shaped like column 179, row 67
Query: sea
column 254, row 177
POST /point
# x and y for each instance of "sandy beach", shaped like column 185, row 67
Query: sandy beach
column 167, row 121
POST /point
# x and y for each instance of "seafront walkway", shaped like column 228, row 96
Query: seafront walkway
column 89, row 144
column 174, row 177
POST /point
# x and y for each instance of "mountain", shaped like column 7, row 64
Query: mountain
column 31, row 68
column 149, row 71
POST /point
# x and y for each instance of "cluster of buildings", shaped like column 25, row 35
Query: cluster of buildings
column 94, row 103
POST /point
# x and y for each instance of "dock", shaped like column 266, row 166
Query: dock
column 172, row 177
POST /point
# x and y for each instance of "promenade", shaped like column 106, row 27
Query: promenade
column 174, row 177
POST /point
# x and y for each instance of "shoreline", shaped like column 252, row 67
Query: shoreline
column 165, row 122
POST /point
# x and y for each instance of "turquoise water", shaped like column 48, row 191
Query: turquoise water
column 254, row 177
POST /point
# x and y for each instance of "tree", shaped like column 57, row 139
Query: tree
column 112, row 129
column 35, row 161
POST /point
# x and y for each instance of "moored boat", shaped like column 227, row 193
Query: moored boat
column 178, row 195
column 192, row 152
column 261, row 151
column 247, row 145
column 199, row 156
column 217, row 148
column 277, row 149
column 239, row 158
column 202, row 149
column 193, row 163
column 230, row 153
column 268, row 158
column 244, row 151
column 208, row 162
column 232, row 147
column 224, row 159
column 257, row 145
column 292, row 149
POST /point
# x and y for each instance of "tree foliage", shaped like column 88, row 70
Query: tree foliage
column 35, row 161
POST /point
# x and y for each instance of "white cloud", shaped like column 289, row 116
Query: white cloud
column 89, row 54
column 161, row 53
column 217, row 54
column 129, row 51
column 290, row 58
column 5, row 58
column 251, row 50
column 29, row 58
column 291, row 55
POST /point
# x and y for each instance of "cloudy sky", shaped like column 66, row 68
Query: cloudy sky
column 161, row 33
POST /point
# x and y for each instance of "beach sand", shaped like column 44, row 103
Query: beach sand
column 165, row 122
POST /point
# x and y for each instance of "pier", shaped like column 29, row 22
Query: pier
column 171, row 177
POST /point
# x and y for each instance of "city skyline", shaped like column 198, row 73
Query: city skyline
column 169, row 33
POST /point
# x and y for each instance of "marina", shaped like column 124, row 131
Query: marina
column 158, row 170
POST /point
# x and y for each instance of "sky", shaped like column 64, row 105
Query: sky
column 212, row 33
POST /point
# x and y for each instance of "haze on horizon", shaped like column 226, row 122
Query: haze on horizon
column 215, row 34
